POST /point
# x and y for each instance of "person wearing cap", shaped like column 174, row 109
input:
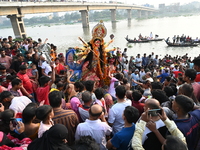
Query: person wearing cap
column 134, row 77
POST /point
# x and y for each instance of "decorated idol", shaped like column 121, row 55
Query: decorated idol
column 91, row 60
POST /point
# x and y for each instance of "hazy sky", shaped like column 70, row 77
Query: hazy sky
column 156, row 2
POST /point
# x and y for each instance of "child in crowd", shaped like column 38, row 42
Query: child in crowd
column 45, row 114
column 34, row 72
column 16, row 86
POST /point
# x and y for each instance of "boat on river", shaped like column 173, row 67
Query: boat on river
column 144, row 40
column 186, row 44
column 136, row 41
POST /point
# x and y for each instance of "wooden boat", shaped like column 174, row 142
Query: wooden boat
column 136, row 41
column 181, row 44
column 155, row 40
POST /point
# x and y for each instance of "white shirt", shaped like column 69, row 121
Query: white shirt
column 115, row 115
column 46, row 67
column 43, row 127
column 19, row 103
column 96, row 129
column 138, row 60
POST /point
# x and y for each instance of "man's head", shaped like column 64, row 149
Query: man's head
column 129, row 94
column 131, row 114
column 2, row 52
column 174, row 143
column 89, row 85
column 44, row 80
column 196, row 62
column 55, row 99
column 86, row 97
column 16, row 83
column 136, row 95
column 95, row 111
column 23, row 69
column 151, row 104
column 182, row 104
column 190, row 75
column 6, row 98
column 120, row 92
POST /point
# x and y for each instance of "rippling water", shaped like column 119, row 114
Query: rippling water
column 65, row 36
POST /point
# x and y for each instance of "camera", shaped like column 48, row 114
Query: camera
column 15, row 121
column 155, row 112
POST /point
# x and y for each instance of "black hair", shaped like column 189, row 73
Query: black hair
column 191, row 73
column 196, row 61
column 19, row 55
column 86, row 143
column 169, row 91
column 42, row 112
column 131, row 113
column 28, row 113
column 86, row 96
column 174, row 143
column 2, row 67
column 99, row 93
column 125, row 80
column 89, row 85
column 136, row 95
column 185, row 102
column 4, row 94
column 79, row 85
column 160, row 95
column 22, row 67
column 119, row 76
column 156, row 85
column 16, row 82
column 6, row 117
column 120, row 91
column 60, row 84
column 43, row 80
column 168, row 79
column 55, row 99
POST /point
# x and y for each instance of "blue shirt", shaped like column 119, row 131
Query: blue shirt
column 135, row 77
column 190, row 128
column 122, row 138
column 163, row 76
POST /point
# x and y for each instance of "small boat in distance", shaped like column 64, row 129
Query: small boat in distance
column 180, row 44
column 136, row 41
column 144, row 40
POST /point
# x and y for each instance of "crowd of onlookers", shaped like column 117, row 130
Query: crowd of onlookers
column 150, row 103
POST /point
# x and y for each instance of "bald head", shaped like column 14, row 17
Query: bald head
column 129, row 94
column 95, row 110
column 152, row 104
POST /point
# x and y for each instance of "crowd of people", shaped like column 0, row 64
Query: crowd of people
column 149, row 102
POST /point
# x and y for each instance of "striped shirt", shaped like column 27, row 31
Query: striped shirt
column 67, row 118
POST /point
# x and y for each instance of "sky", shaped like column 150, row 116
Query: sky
column 156, row 2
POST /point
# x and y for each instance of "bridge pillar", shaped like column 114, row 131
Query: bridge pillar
column 146, row 14
column 18, row 25
column 85, row 18
column 129, row 17
column 113, row 18
column 139, row 12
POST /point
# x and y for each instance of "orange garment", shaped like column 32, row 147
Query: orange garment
column 53, row 55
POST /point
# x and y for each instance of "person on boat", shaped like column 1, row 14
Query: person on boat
column 140, row 37
column 95, row 54
column 174, row 39
column 151, row 35
column 177, row 39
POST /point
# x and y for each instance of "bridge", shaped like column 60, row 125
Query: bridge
column 16, row 11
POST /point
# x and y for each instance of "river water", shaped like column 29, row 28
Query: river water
column 64, row 36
